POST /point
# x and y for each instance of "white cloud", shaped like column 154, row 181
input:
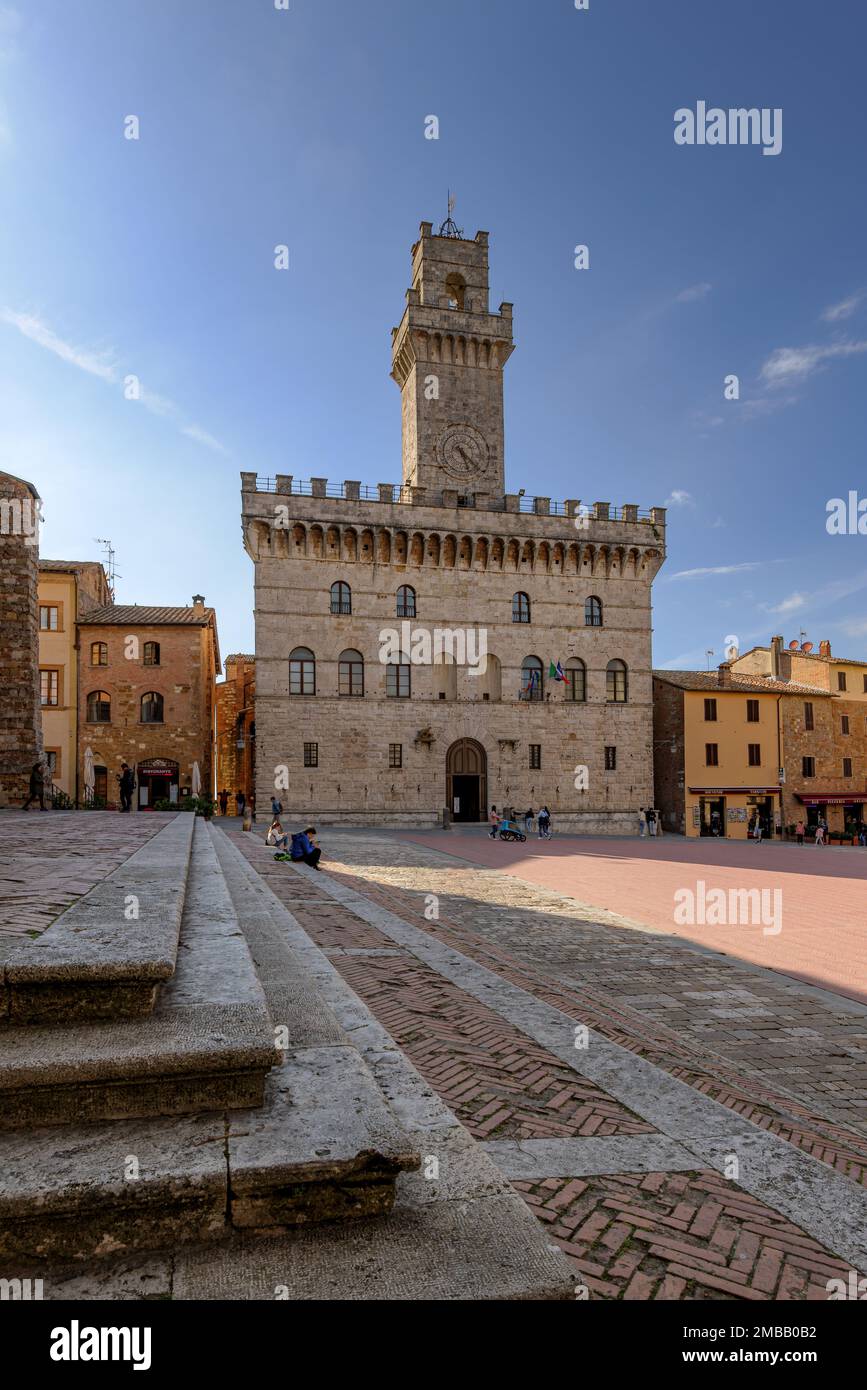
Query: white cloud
column 678, row 498
column 788, row 605
column 718, row 569
column 694, row 292
column 97, row 364
column 786, row 366
column 844, row 309
column 101, row 365
column 202, row 437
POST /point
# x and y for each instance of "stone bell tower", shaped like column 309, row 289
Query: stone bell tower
column 448, row 354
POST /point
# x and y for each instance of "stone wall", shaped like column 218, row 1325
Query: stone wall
column 20, row 715
column 236, row 722
column 668, row 765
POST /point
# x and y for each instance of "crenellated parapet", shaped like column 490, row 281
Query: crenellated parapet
column 347, row 524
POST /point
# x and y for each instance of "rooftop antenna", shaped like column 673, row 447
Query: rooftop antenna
column 448, row 228
column 709, row 654
column 110, row 567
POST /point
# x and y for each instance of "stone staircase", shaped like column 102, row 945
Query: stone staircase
column 182, row 1071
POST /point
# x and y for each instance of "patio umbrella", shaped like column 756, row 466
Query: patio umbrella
column 89, row 774
column 196, row 781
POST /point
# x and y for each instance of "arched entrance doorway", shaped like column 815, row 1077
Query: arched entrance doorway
column 467, row 780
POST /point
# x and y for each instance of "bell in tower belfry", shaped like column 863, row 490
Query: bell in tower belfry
column 448, row 354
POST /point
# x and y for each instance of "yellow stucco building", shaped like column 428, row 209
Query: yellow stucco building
column 68, row 589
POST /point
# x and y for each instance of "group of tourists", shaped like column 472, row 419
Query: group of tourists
column 649, row 821
column 241, row 803
column 302, row 848
column 506, row 819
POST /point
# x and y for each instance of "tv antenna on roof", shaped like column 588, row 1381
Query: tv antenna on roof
column 709, row 654
column 448, row 228
column 110, row 568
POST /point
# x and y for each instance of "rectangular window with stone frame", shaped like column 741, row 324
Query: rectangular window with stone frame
column 610, row 758
column 535, row 755
column 395, row 755
column 311, row 755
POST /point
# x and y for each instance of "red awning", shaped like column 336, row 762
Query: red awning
column 856, row 799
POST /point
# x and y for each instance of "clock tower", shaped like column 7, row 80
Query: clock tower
column 448, row 354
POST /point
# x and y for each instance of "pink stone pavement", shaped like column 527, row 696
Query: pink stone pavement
column 824, row 892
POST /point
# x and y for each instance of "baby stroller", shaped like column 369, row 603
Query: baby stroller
column 509, row 831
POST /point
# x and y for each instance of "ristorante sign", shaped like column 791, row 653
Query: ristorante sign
column 734, row 791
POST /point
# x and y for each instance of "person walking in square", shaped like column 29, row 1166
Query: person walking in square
column 544, row 822
column 495, row 823
column 36, row 788
column 799, row 832
column 240, row 802
column 642, row 822
column 224, row 801
column 127, row 783
column 529, row 817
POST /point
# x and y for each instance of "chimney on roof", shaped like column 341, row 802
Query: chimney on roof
column 824, row 648
column 724, row 673
column 199, row 602
column 776, row 649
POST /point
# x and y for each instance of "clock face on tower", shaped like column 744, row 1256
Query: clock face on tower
column 463, row 452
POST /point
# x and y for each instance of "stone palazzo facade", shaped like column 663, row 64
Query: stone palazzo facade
column 358, row 588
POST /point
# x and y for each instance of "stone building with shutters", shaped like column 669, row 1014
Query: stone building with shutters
column 441, row 645
column 146, row 697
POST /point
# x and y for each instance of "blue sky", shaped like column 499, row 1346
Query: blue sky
column 306, row 127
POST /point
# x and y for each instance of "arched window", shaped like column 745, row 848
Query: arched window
column 341, row 597
column 152, row 708
column 455, row 290
column 445, row 676
column 616, row 684
column 397, row 681
column 151, row 653
column 302, row 672
column 350, row 673
column 576, row 680
column 99, row 653
column 520, row 608
column 98, row 707
column 593, row 612
column 406, row 601
column 531, row 678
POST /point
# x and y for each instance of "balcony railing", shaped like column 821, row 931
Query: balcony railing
column 397, row 493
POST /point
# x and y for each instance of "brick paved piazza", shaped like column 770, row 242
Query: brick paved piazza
column 481, row 968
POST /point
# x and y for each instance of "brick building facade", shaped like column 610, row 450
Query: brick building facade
column 20, row 718
column 147, row 698
column 352, row 725
column 236, row 726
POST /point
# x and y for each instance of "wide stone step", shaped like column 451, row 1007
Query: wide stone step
column 208, row 1045
column 323, row 1147
column 99, row 960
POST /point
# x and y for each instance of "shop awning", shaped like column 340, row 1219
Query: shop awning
column 854, row 799
column 732, row 791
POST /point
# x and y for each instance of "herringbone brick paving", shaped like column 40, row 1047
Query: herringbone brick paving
column 679, row 1236
column 838, row 1144
column 498, row 1082
column 676, row 1236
